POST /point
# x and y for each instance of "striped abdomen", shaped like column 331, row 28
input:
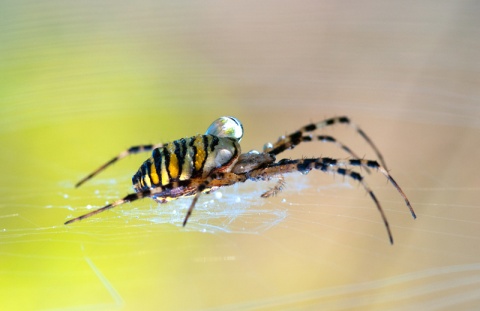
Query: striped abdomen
column 186, row 158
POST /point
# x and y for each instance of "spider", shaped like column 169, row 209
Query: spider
column 203, row 163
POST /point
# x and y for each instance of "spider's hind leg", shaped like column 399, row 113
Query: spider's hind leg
column 129, row 198
column 121, row 155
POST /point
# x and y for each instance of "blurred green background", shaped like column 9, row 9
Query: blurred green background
column 81, row 81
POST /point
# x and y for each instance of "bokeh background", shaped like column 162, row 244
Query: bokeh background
column 82, row 80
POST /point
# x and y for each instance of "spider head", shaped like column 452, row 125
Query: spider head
column 252, row 160
column 226, row 127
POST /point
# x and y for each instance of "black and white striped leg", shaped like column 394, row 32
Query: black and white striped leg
column 292, row 140
column 129, row 198
column 330, row 165
column 330, row 139
column 121, row 155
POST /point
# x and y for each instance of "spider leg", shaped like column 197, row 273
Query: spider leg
column 129, row 198
column 329, row 139
column 275, row 189
column 378, row 167
column 217, row 179
column 332, row 166
column 121, row 155
column 192, row 205
column 292, row 140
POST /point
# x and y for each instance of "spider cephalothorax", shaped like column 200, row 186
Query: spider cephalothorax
column 203, row 163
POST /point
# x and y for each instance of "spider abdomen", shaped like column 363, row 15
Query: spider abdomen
column 186, row 158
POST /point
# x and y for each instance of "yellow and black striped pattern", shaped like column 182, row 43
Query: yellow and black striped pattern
column 185, row 159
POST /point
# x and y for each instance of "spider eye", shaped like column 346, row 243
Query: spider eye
column 226, row 127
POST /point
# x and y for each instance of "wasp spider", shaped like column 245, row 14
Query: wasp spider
column 203, row 163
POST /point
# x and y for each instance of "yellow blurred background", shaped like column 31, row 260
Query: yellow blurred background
column 81, row 81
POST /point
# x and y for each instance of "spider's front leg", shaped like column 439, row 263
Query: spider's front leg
column 290, row 141
column 330, row 165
